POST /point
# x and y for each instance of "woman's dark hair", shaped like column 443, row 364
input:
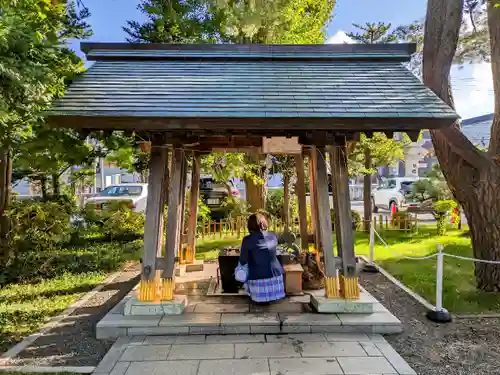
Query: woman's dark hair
column 257, row 223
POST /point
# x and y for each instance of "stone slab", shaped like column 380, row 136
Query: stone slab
column 205, row 351
column 190, row 320
column 206, row 330
column 106, row 333
column 401, row 366
column 237, row 330
column 308, row 319
column 120, row 368
column 250, row 319
column 146, row 353
column 122, row 321
column 365, row 365
column 170, row 340
column 265, row 329
column 135, row 307
column 163, row 368
column 267, row 350
column 196, row 266
column 312, row 337
column 325, row 305
column 221, row 308
column 158, row 331
column 234, row 367
column 331, row 349
column 233, row 339
column 371, row 349
column 113, row 355
column 335, row 337
column 296, row 329
column 378, row 318
column 305, row 366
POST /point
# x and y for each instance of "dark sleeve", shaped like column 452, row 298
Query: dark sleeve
column 245, row 248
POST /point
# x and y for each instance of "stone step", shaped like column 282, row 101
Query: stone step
column 118, row 325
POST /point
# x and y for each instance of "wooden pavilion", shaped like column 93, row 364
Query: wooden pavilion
column 192, row 99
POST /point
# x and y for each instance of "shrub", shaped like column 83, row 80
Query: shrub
column 442, row 208
column 119, row 220
column 38, row 225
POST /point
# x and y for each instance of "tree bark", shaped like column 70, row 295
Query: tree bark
column 5, row 196
column 43, row 187
column 473, row 176
column 56, row 185
column 367, row 192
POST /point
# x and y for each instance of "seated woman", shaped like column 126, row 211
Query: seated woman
column 265, row 273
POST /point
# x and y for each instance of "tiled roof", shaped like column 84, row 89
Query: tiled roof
column 288, row 82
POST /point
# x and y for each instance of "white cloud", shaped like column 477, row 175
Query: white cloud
column 473, row 89
column 338, row 38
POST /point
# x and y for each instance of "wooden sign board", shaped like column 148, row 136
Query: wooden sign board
column 281, row 145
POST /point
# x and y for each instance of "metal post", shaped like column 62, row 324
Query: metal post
column 101, row 166
column 439, row 314
column 370, row 267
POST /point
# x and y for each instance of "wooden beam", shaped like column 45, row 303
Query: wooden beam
column 174, row 202
column 323, row 208
column 343, row 222
column 313, row 197
column 301, row 195
column 193, row 203
column 153, row 227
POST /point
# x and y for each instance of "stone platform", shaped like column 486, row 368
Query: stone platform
column 293, row 354
column 227, row 315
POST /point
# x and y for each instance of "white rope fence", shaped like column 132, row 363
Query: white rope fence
column 439, row 313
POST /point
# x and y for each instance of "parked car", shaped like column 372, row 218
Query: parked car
column 136, row 194
column 393, row 194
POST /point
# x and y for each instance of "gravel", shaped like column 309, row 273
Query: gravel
column 464, row 347
column 72, row 342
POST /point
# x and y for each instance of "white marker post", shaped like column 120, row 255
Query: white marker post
column 439, row 314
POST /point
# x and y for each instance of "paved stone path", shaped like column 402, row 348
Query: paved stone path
column 304, row 354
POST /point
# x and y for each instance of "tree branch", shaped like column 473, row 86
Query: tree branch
column 461, row 146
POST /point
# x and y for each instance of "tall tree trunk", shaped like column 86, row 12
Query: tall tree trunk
column 43, row 186
column 286, row 201
column 56, row 185
column 5, row 196
column 473, row 176
column 367, row 192
column 254, row 192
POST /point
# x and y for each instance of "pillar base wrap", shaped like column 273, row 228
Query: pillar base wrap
column 349, row 287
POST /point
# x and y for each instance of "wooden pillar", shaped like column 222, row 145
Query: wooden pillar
column 349, row 287
column 313, row 196
column 193, row 206
column 325, row 224
column 301, row 195
column 153, row 228
column 173, row 236
column 367, row 190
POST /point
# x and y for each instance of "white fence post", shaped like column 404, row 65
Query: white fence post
column 371, row 267
column 439, row 314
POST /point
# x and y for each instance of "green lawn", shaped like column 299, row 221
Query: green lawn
column 459, row 294
column 52, row 281
column 459, row 291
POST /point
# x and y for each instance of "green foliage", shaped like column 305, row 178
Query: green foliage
column 372, row 32
column 274, row 204
column 127, row 154
column 384, row 151
column 117, row 219
column 235, row 207
column 431, row 189
column 442, row 208
column 39, row 225
column 176, row 21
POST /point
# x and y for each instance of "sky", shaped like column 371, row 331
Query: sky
column 472, row 84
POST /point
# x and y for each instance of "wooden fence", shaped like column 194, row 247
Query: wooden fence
column 237, row 227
